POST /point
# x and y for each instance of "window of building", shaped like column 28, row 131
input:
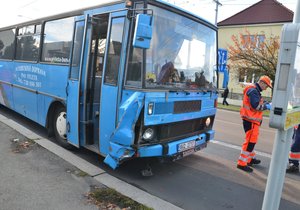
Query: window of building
column 7, row 44
column 57, row 41
column 28, row 43
column 249, row 77
column 253, row 41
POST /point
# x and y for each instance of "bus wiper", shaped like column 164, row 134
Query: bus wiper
column 179, row 90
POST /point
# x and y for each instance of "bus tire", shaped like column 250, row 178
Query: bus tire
column 60, row 127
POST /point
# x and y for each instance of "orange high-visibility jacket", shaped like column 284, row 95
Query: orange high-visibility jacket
column 247, row 112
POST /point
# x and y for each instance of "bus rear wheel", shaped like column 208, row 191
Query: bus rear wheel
column 60, row 127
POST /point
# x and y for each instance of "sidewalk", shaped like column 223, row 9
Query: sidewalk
column 231, row 101
column 42, row 175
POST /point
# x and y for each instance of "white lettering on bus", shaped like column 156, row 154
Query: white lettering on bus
column 57, row 59
column 29, row 75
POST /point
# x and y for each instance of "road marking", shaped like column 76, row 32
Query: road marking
column 263, row 154
column 271, row 130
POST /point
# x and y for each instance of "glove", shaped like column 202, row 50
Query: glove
column 268, row 106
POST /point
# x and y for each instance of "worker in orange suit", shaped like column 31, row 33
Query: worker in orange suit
column 294, row 157
column 252, row 113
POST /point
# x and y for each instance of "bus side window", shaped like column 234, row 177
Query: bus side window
column 7, row 44
column 114, row 51
column 28, row 43
column 58, row 36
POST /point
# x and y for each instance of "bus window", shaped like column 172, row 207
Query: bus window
column 7, row 43
column 114, row 51
column 77, row 45
column 133, row 77
column 57, row 41
column 28, row 43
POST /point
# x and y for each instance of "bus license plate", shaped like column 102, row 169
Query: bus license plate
column 186, row 145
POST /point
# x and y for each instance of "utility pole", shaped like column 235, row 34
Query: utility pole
column 217, row 6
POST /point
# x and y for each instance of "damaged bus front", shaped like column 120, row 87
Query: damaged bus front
column 168, row 100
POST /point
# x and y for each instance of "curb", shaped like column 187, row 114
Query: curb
column 97, row 173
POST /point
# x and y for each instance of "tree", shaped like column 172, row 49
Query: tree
column 254, row 54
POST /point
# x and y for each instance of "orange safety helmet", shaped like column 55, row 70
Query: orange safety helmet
column 266, row 80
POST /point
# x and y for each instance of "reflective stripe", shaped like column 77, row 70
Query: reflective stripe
column 246, row 107
column 245, row 152
column 243, row 159
column 252, row 118
column 252, row 155
column 260, row 107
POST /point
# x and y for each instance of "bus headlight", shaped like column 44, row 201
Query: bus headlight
column 148, row 134
column 207, row 121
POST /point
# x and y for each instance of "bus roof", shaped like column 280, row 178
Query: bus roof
column 79, row 11
column 184, row 10
column 104, row 3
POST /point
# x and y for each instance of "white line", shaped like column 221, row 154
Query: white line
column 263, row 154
column 271, row 130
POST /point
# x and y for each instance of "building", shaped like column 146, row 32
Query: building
column 265, row 18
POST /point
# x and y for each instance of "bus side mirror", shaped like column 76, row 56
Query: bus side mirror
column 143, row 31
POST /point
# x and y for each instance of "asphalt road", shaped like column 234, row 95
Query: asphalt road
column 208, row 179
column 229, row 129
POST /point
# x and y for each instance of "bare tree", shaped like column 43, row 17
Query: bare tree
column 254, row 54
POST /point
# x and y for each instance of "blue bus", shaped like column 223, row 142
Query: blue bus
column 125, row 79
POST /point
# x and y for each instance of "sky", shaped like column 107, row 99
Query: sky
column 16, row 11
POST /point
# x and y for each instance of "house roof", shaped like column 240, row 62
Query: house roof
column 265, row 11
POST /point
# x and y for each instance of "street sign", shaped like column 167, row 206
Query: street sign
column 225, row 78
column 222, row 59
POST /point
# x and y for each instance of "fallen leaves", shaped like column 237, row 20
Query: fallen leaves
column 21, row 146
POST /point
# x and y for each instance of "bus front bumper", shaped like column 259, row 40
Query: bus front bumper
column 177, row 149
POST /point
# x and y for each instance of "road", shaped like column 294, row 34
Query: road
column 208, row 179
column 229, row 129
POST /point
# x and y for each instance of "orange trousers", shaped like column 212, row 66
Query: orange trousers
column 247, row 152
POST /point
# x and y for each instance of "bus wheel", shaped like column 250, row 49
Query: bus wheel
column 60, row 127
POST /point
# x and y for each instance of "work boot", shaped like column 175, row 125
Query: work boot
column 254, row 162
column 245, row 168
column 292, row 169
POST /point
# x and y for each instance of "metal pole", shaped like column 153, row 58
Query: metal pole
column 279, row 158
column 277, row 169
column 297, row 13
column 217, row 6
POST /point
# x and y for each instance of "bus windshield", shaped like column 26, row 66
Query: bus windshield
column 182, row 54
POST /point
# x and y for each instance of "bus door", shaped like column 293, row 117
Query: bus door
column 93, row 81
column 98, row 94
column 73, row 88
column 112, row 83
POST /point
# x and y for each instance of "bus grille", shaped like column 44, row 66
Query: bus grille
column 186, row 106
column 178, row 130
